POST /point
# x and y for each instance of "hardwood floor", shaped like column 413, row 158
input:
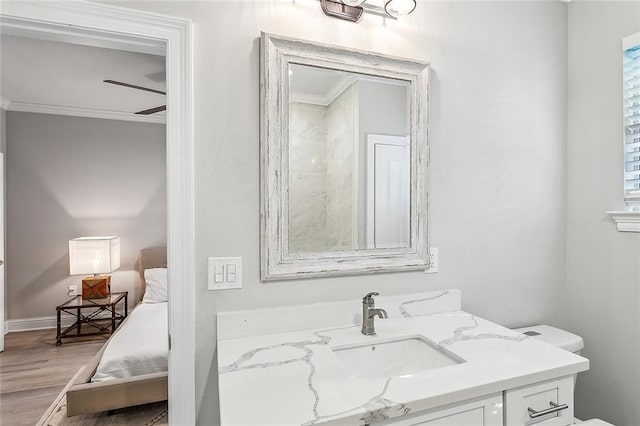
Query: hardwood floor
column 33, row 371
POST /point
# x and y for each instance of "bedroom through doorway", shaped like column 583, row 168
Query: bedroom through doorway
column 120, row 28
column 82, row 163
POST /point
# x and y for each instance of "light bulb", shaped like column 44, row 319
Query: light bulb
column 398, row 8
column 353, row 3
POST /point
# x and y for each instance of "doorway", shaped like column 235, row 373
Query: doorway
column 93, row 24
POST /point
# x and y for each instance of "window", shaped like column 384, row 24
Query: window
column 629, row 220
column 631, row 109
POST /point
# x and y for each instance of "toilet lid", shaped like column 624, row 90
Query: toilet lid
column 595, row 422
column 554, row 336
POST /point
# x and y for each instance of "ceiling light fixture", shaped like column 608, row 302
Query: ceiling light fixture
column 353, row 10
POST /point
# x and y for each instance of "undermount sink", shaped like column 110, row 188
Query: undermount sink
column 394, row 358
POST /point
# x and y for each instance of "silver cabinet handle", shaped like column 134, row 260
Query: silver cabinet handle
column 553, row 409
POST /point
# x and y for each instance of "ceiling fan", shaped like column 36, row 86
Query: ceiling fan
column 133, row 86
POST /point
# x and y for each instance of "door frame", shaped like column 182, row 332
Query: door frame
column 120, row 28
column 3, row 278
column 372, row 141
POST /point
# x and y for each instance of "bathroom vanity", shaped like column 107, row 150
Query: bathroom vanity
column 428, row 363
column 402, row 360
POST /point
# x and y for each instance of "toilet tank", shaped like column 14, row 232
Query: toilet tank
column 554, row 336
column 564, row 340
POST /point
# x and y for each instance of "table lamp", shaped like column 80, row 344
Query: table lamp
column 94, row 255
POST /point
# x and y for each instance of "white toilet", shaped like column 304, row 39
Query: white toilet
column 563, row 340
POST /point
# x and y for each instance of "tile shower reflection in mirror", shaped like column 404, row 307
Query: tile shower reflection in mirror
column 349, row 161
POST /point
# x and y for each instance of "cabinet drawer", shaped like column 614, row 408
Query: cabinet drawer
column 546, row 403
column 486, row 411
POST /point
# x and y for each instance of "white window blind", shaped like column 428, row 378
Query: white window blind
column 631, row 99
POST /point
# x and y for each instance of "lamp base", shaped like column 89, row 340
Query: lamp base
column 96, row 287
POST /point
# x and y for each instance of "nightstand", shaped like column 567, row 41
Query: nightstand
column 100, row 314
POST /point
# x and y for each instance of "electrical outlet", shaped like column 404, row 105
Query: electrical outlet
column 433, row 261
column 72, row 290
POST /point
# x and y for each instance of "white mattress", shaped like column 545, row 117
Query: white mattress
column 139, row 347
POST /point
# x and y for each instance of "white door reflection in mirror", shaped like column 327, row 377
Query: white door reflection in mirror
column 331, row 114
column 388, row 200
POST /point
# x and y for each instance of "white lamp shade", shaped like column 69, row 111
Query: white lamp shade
column 94, row 255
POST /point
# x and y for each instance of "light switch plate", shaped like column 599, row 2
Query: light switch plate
column 221, row 273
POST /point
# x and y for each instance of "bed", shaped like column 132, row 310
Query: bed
column 123, row 374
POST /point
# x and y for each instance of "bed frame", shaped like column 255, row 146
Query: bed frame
column 84, row 397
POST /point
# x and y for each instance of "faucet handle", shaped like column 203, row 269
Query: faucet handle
column 369, row 296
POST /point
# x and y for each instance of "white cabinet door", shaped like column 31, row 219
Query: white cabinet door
column 486, row 411
column 527, row 405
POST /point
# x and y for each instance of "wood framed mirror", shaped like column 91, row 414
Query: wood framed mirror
column 344, row 161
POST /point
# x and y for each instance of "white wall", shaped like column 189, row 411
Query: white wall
column 603, row 265
column 69, row 177
column 498, row 102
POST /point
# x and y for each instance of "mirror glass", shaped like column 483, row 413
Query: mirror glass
column 344, row 161
column 349, row 161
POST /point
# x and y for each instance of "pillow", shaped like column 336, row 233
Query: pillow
column 156, row 280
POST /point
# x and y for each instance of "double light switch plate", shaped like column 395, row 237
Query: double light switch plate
column 225, row 273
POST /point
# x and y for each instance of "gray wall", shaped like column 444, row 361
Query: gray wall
column 498, row 102
column 69, row 177
column 603, row 265
column 383, row 110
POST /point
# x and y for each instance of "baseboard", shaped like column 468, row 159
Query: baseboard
column 37, row 323
column 40, row 323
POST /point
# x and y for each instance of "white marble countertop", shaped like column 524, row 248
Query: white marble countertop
column 294, row 378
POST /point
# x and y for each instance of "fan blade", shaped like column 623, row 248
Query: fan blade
column 133, row 86
column 152, row 110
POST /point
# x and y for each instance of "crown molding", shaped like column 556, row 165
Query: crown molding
column 4, row 103
column 326, row 99
column 305, row 98
column 340, row 86
column 83, row 112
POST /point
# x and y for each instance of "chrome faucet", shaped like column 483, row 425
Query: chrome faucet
column 369, row 311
